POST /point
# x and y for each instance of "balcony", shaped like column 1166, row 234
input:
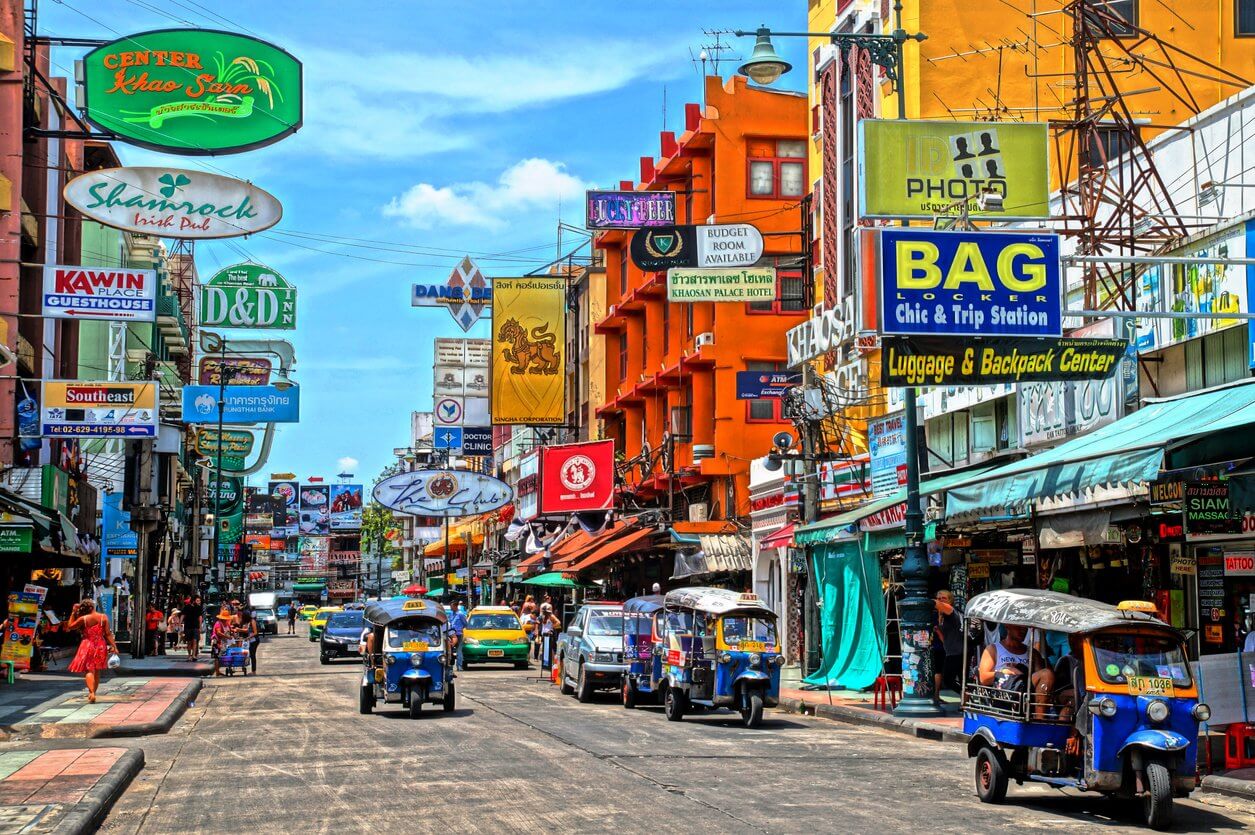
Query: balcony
column 171, row 324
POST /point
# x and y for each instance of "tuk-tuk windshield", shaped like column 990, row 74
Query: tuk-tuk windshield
column 679, row 623
column 1118, row 657
column 737, row 629
column 398, row 636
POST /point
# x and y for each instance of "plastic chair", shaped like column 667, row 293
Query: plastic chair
column 1239, row 746
column 888, row 688
column 10, row 673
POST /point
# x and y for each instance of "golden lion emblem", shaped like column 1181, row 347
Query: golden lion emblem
column 537, row 355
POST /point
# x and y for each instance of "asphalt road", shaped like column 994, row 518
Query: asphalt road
column 287, row 751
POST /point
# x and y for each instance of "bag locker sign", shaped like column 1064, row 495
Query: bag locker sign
column 99, row 293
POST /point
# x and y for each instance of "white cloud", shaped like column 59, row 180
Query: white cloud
column 347, row 464
column 529, row 184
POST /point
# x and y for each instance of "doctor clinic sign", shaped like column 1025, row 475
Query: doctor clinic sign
column 193, row 91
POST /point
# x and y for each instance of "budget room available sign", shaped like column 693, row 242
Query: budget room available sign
column 969, row 283
column 173, row 202
column 99, row 293
column 577, row 477
column 248, row 296
column 193, row 91
column 98, row 410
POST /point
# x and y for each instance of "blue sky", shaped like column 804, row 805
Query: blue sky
column 432, row 130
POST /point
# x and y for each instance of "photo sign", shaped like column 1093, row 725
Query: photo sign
column 442, row 493
column 941, row 361
column 970, row 283
column 173, row 202
column 248, row 296
column 714, row 245
column 98, row 410
column 695, row 284
column 114, row 294
column 628, row 209
column 193, row 91
column 926, row 168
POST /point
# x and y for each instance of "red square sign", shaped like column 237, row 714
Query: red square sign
column 576, row 477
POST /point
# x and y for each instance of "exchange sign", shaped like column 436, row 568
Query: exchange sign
column 248, row 296
column 173, row 202
column 99, row 293
column 940, row 361
column 98, row 410
column 193, row 91
column 721, row 285
column 442, row 493
column 629, row 209
column 970, row 283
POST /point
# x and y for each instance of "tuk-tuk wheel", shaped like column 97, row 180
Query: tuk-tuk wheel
column 629, row 693
column 416, row 704
column 1157, row 803
column 674, row 704
column 752, row 713
column 366, row 699
column 991, row 778
column 450, row 699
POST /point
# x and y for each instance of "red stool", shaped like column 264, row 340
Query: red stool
column 889, row 686
column 1239, row 746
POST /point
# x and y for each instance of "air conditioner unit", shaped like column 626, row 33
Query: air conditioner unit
column 699, row 512
column 706, row 338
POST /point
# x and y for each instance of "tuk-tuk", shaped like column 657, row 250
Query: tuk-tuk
column 406, row 660
column 718, row 648
column 1116, row 713
column 641, row 626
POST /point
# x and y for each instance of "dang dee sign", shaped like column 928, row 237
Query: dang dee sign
column 173, row 202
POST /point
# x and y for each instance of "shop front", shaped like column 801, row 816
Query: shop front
column 774, row 508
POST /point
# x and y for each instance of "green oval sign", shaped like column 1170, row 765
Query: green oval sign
column 193, row 91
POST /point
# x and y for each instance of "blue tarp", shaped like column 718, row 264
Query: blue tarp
column 851, row 616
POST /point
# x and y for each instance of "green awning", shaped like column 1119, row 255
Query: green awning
column 1124, row 454
column 308, row 586
column 893, row 539
column 553, row 579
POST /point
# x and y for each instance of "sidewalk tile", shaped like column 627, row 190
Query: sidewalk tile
column 14, row 760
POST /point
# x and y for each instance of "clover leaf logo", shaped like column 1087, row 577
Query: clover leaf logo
column 172, row 183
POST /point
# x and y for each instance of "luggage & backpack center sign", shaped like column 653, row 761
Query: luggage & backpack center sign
column 969, row 283
column 99, row 293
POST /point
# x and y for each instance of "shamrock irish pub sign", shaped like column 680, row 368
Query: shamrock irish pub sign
column 193, row 91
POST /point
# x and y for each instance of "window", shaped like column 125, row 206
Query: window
column 623, row 340
column 777, row 168
column 764, row 409
column 1244, row 18
column 790, row 296
column 623, row 259
column 1111, row 144
column 1124, row 10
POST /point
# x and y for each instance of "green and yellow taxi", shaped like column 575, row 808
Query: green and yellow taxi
column 307, row 611
column 494, row 634
column 318, row 622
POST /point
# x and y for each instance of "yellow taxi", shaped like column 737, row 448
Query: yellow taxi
column 318, row 622
column 494, row 634
column 307, row 611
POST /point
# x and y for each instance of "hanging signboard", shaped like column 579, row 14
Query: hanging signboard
column 1207, row 511
column 442, row 493
column 713, row 245
column 886, row 439
column 242, row 404
column 236, row 445
column 242, row 371
column 696, row 284
column 193, row 91
column 926, row 168
column 755, row 385
column 98, row 410
column 248, row 296
column 173, row 202
column 119, row 539
column 628, row 209
column 286, row 490
column 226, row 494
column 346, row 507
column 113, row 294
column 969, row 283
column 466, row 295
column 529, row 356
column 316, row 509
column 941, row 361
column 577, row 477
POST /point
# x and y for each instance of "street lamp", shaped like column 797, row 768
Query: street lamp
column 917, row 611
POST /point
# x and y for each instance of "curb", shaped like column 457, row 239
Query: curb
column 1229, row 786
column 166, row 720
column 858, row 716
column 89, row 730
column 88, row 813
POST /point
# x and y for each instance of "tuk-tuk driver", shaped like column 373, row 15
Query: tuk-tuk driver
column 366, row 643
column 1005, row 665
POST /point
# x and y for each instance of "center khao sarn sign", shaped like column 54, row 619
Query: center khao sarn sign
column 193, row 91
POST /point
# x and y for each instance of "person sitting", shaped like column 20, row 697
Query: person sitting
column 1005, row 666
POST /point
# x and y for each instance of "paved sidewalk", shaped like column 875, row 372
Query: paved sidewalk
column 860, row 709
column 57, row 707
column 167, row 665
column 66, row 790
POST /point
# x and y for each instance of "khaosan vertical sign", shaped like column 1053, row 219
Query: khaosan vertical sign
column 529, row 346
column 193, row 91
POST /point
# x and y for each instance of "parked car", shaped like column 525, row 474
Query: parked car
column 342, row 636
column 283, row 611
column 590, row 650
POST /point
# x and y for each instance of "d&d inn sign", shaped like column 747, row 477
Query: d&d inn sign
column 193, row 91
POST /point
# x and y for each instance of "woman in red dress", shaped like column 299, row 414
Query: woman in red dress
column 94, row 648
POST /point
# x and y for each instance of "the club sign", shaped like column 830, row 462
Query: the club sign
column 970, row 283
column 173, row 202
column 712, row 245
column 442, row 493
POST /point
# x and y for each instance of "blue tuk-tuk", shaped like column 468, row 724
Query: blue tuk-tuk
column 640, row 628
column 406, row 660
column 1116, row 712
column 719, row 648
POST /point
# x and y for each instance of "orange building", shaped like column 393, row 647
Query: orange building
column 670, row 396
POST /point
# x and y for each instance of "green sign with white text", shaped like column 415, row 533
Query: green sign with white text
column 248, row 296
column 193, row 91
column 15, row 540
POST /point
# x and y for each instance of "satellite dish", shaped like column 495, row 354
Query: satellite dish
column 782, row 440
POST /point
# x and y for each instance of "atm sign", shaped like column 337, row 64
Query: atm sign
column 1239, row 564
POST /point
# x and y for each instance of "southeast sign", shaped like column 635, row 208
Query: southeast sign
column 71, row 409
column 442, row 493
column 173, row 202
column 248, row 296
column 193, row 91
column 114, row 294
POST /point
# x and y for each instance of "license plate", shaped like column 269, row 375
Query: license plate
column 414, row 646
column 752, row 646
column 1151, row 686
column 496, row 653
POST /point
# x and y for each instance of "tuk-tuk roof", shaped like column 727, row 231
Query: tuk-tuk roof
column 1053, row 611
column 717, row 601
column 386, row 611
column 644, row 605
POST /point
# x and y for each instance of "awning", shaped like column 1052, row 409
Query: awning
column 618, row 545
column 308, row 586
column 720, row 553
column 1110, row 463
column 782, row 538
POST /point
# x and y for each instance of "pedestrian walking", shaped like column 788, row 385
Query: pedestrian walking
column 457, row 625
column 192, row 614
column 220, row 635
column 94, row 648
column 292, row 610
column 174, row 628
column 152, row 628
column 947, row 646
column 247, row 628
